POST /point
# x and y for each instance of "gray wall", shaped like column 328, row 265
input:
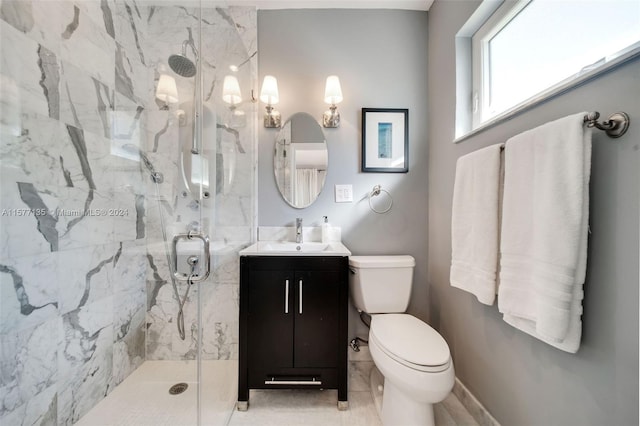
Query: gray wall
column 521, row 380
column 380, row 57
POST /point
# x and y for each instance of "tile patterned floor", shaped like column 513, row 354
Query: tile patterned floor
column 143, row 399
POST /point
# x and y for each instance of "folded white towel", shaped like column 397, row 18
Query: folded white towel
column 543, row 249
column 475, row 223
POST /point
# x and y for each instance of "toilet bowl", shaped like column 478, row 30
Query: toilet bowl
column 415, row 362
column 413, row 358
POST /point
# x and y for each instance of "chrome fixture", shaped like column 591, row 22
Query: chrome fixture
column 269, row 95
column 178, row 388
column 193, row 277
column 299, row 230
column 377, row 190
column 614, row 127
column 332, row 96
column 180, row 63
column 185, row 67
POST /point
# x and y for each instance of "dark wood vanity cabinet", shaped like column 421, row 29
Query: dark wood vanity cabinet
column 293, row 324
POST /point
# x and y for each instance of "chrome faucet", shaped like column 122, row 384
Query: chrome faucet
column 299, row 230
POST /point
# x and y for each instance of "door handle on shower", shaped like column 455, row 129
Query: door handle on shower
column 207, row 257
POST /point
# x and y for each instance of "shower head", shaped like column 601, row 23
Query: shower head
column 182, row 65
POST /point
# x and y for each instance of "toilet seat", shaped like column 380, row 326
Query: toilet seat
column 410, row 342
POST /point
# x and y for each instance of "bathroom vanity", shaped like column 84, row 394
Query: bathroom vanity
column 293, row 320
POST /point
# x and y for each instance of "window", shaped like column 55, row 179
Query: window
column 528, row 50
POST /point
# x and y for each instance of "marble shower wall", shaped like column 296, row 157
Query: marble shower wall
column 227, row 46
column 82, row 266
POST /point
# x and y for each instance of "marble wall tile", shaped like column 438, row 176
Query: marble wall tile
column 19, row 225
column 88, row 274
column 100, row 12
column 220, row 321
column 30, row 293
column 40, row 21
column 129, row 333
column 130, row 26
column 28, row 364
column 86, row 44
column 42, row 409
column 161, row 322
column 85, row 359
column 42, row 152
column 22, row 65
column 226, row 268
column 85, row 101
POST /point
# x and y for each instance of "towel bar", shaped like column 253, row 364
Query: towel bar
column 614, row 127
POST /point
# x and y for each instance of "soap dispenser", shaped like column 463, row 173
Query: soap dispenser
column 326, row 229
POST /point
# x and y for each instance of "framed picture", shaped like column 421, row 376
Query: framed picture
column 385, row 140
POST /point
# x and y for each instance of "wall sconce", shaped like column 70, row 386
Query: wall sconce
column 231, row 91
column 167, row 92
column 269, row 95
column 231, row 95
column 332, row 96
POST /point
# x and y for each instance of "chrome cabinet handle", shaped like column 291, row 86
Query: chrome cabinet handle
column 300, row 294
column 275, row 381
column 286, row 296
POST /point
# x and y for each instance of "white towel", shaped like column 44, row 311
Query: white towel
column 475, row 223
column 543, row 249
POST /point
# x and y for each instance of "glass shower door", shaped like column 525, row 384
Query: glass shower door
column 103, row 162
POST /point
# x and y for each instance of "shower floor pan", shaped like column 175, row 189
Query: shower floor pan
column 143, row 398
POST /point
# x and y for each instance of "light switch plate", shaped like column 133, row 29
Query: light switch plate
column 344, row 193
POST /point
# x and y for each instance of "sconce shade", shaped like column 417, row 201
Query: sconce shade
column 332, row 90
column 269, row 92
column 167, row 91
column 231, row 90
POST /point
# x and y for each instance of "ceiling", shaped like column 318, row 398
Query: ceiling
column 336, row 4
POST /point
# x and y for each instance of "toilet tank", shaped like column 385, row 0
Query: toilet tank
column 381, row 284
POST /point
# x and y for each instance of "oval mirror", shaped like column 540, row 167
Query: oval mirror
column 300, row 160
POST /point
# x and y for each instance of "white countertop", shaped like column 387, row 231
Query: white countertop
column 288, row 248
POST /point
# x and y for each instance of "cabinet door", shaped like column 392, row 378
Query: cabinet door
column 270, row 320
column 316, row 319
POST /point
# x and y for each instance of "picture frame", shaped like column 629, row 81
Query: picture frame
column 385, row 140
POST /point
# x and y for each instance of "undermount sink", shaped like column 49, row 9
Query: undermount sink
column 287, row 248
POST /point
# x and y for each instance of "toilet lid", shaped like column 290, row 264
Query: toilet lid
column 410, row 340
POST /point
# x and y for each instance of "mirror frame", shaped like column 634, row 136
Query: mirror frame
column 279, row 169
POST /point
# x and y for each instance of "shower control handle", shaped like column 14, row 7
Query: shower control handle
column 206, row 256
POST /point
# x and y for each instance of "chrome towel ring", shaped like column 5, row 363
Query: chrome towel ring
column 377, row 190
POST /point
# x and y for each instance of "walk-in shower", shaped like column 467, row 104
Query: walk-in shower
column 94, row 326
column 157, row 178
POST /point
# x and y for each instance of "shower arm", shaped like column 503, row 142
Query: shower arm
column 189, row 42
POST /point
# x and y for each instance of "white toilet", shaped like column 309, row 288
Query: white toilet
column 413, row 358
